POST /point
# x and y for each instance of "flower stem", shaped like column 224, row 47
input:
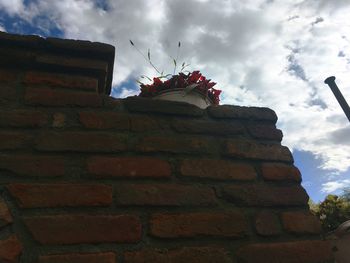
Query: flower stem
column 149, row 61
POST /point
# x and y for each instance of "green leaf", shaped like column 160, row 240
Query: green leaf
column 143, row 76
column 149, row 54
column 132, row 43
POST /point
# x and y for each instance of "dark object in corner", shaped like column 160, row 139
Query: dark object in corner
column 331, row 83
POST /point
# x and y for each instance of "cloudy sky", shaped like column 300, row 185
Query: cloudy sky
column 272, row 53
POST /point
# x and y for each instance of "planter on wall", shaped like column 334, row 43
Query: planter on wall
column 182, row 95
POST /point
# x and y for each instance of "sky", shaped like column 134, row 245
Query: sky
column 270, row 53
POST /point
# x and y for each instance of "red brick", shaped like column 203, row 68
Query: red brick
column 22, row 118
column 208, row 127
column 33, row 165
column 217, row 169
column 174, row 144
column 143, row 123
column 268, row 132
column 55, row 195
column 288, row 252
column 10, row 249
column 8, row 95
column 57, row 97
column 104, row 120
column 8, row 75
column 280, row 172
column 131, row 167
column 112, row 103
column 265, row 195
column 5, row 215
column 59, row 120
column 84, row 46
column 60, row 80
column 75, row 62
column 238, row 112
column 185, row 254
column 242, row 148
column 83, row 228
column 101, row 257
column 140, row 104
column 164, row 195
column 11, row 140
column 199, row 224
column 301, row 223
column 267, row 224
column 82, row 142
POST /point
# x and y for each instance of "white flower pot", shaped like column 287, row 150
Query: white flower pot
column 182, row 95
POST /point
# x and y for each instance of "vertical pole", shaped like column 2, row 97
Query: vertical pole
column 338, row 95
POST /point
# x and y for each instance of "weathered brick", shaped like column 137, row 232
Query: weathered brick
column 112, row 103
column 177, row 144
column 81, row 142
column 10, row 249
column 287, row 252
column 164, row 195
column 280, row 172
column 56, row 195
column 16, row 57
column 60, row 80
column 8, row 95
column 101, row 257
column 131, row 167
column 22, row 118
column 217, row 169
column 11, row 140
column 83, row 228
column 265, row 195
column 71, row 61
column 81, row 45
column 268, row 132
column 238, row 112
column 301, row 222
column 5, row 215
column 143, row 123
column 57, row 97
column 267, row 224
column 242, row 148
column 33, row 165
column 199, row 224
column 104, row 120
column 59, row 120
column 139, row 104
column 8, row 75
column 208, row 127
column 184, row 254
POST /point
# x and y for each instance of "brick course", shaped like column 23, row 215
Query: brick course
column 229, row 224
column 76, row 229
column 103, row 257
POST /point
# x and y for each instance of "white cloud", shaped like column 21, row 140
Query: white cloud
column 260, row 52
column 12, row 6
column 331, row 187
column 2, row 28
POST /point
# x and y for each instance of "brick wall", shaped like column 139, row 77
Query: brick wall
column 88, row 178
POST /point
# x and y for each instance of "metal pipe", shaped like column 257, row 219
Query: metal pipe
column 331, row 83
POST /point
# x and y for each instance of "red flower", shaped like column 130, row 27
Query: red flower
column 157, row 82
column 194, row 77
